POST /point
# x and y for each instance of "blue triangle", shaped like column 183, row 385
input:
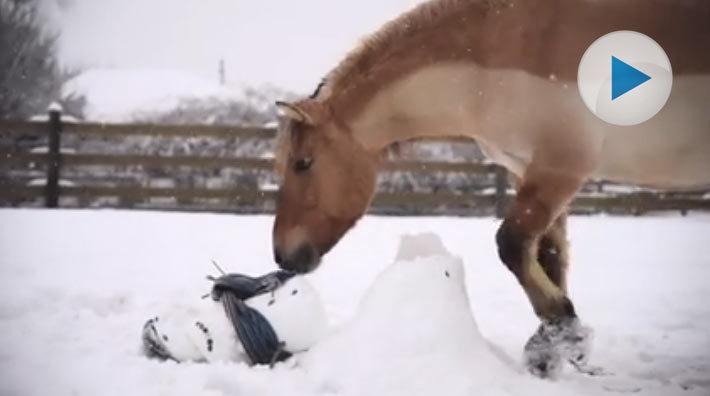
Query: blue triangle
column 625, row 77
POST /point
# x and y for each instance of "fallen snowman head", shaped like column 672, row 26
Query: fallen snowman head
column 260, row 320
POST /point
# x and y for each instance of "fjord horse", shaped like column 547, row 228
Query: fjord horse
column 504, row 73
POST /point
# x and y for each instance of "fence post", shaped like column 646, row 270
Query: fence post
column 501, row 175
column 54, row 158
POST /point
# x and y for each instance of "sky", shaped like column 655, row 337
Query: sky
column 288, row 43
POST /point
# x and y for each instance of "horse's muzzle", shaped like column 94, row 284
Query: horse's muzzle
column 302, row 260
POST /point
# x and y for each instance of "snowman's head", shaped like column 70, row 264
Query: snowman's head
column 423, row 277
column 164, row 338
column 296, row 313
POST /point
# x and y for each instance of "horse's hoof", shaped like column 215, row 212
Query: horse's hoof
column 542, row 361
column 557, row 341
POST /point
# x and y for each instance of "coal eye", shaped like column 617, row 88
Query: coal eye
column 302, row 164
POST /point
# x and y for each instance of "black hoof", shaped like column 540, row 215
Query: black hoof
column 555, row 342
column 543, row 363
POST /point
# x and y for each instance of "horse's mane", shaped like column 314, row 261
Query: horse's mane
column 377, row 46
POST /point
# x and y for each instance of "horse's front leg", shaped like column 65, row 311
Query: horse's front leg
column 532, row 244
column 553, row 256
column 553, row 252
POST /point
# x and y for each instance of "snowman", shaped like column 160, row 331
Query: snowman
column 415, row 317
column 260, row 320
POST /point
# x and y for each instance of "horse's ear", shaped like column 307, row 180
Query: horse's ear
column 294, row 112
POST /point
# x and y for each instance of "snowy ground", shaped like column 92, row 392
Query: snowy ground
column 76, row 287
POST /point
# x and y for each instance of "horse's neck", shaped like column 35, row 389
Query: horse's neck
column 420, row 106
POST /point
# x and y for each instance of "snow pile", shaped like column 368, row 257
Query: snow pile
column 413, row 329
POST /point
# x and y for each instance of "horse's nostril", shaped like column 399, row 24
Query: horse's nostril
column 277, row 257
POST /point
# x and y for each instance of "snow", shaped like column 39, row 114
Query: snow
column 45, row 150
column 268, row 186
column 43, row 182
column 55, row 106
column 620, row 189
column 77, row 286
column 119, row 95
column 45, row 118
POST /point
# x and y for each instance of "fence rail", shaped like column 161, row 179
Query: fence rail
column 122, row 130
column 16, row 163
column 20, row 158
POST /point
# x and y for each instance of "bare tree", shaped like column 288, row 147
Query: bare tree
column 30, row 75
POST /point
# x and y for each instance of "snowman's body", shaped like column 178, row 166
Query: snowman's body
column 418, row 324
column 204, row 332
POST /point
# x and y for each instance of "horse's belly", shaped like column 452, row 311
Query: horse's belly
column 672, row 150
column 543, row 120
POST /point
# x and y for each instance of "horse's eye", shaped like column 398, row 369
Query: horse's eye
column 302, row 164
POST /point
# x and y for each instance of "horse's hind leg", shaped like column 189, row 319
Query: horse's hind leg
column 536, row 220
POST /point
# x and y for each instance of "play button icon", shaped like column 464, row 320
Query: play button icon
column 625, row 78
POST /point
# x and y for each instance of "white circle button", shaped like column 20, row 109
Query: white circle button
column 625, row 78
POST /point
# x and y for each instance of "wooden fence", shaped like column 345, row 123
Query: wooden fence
column 52, row 189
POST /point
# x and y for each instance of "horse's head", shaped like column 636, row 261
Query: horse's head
column 328, row 179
